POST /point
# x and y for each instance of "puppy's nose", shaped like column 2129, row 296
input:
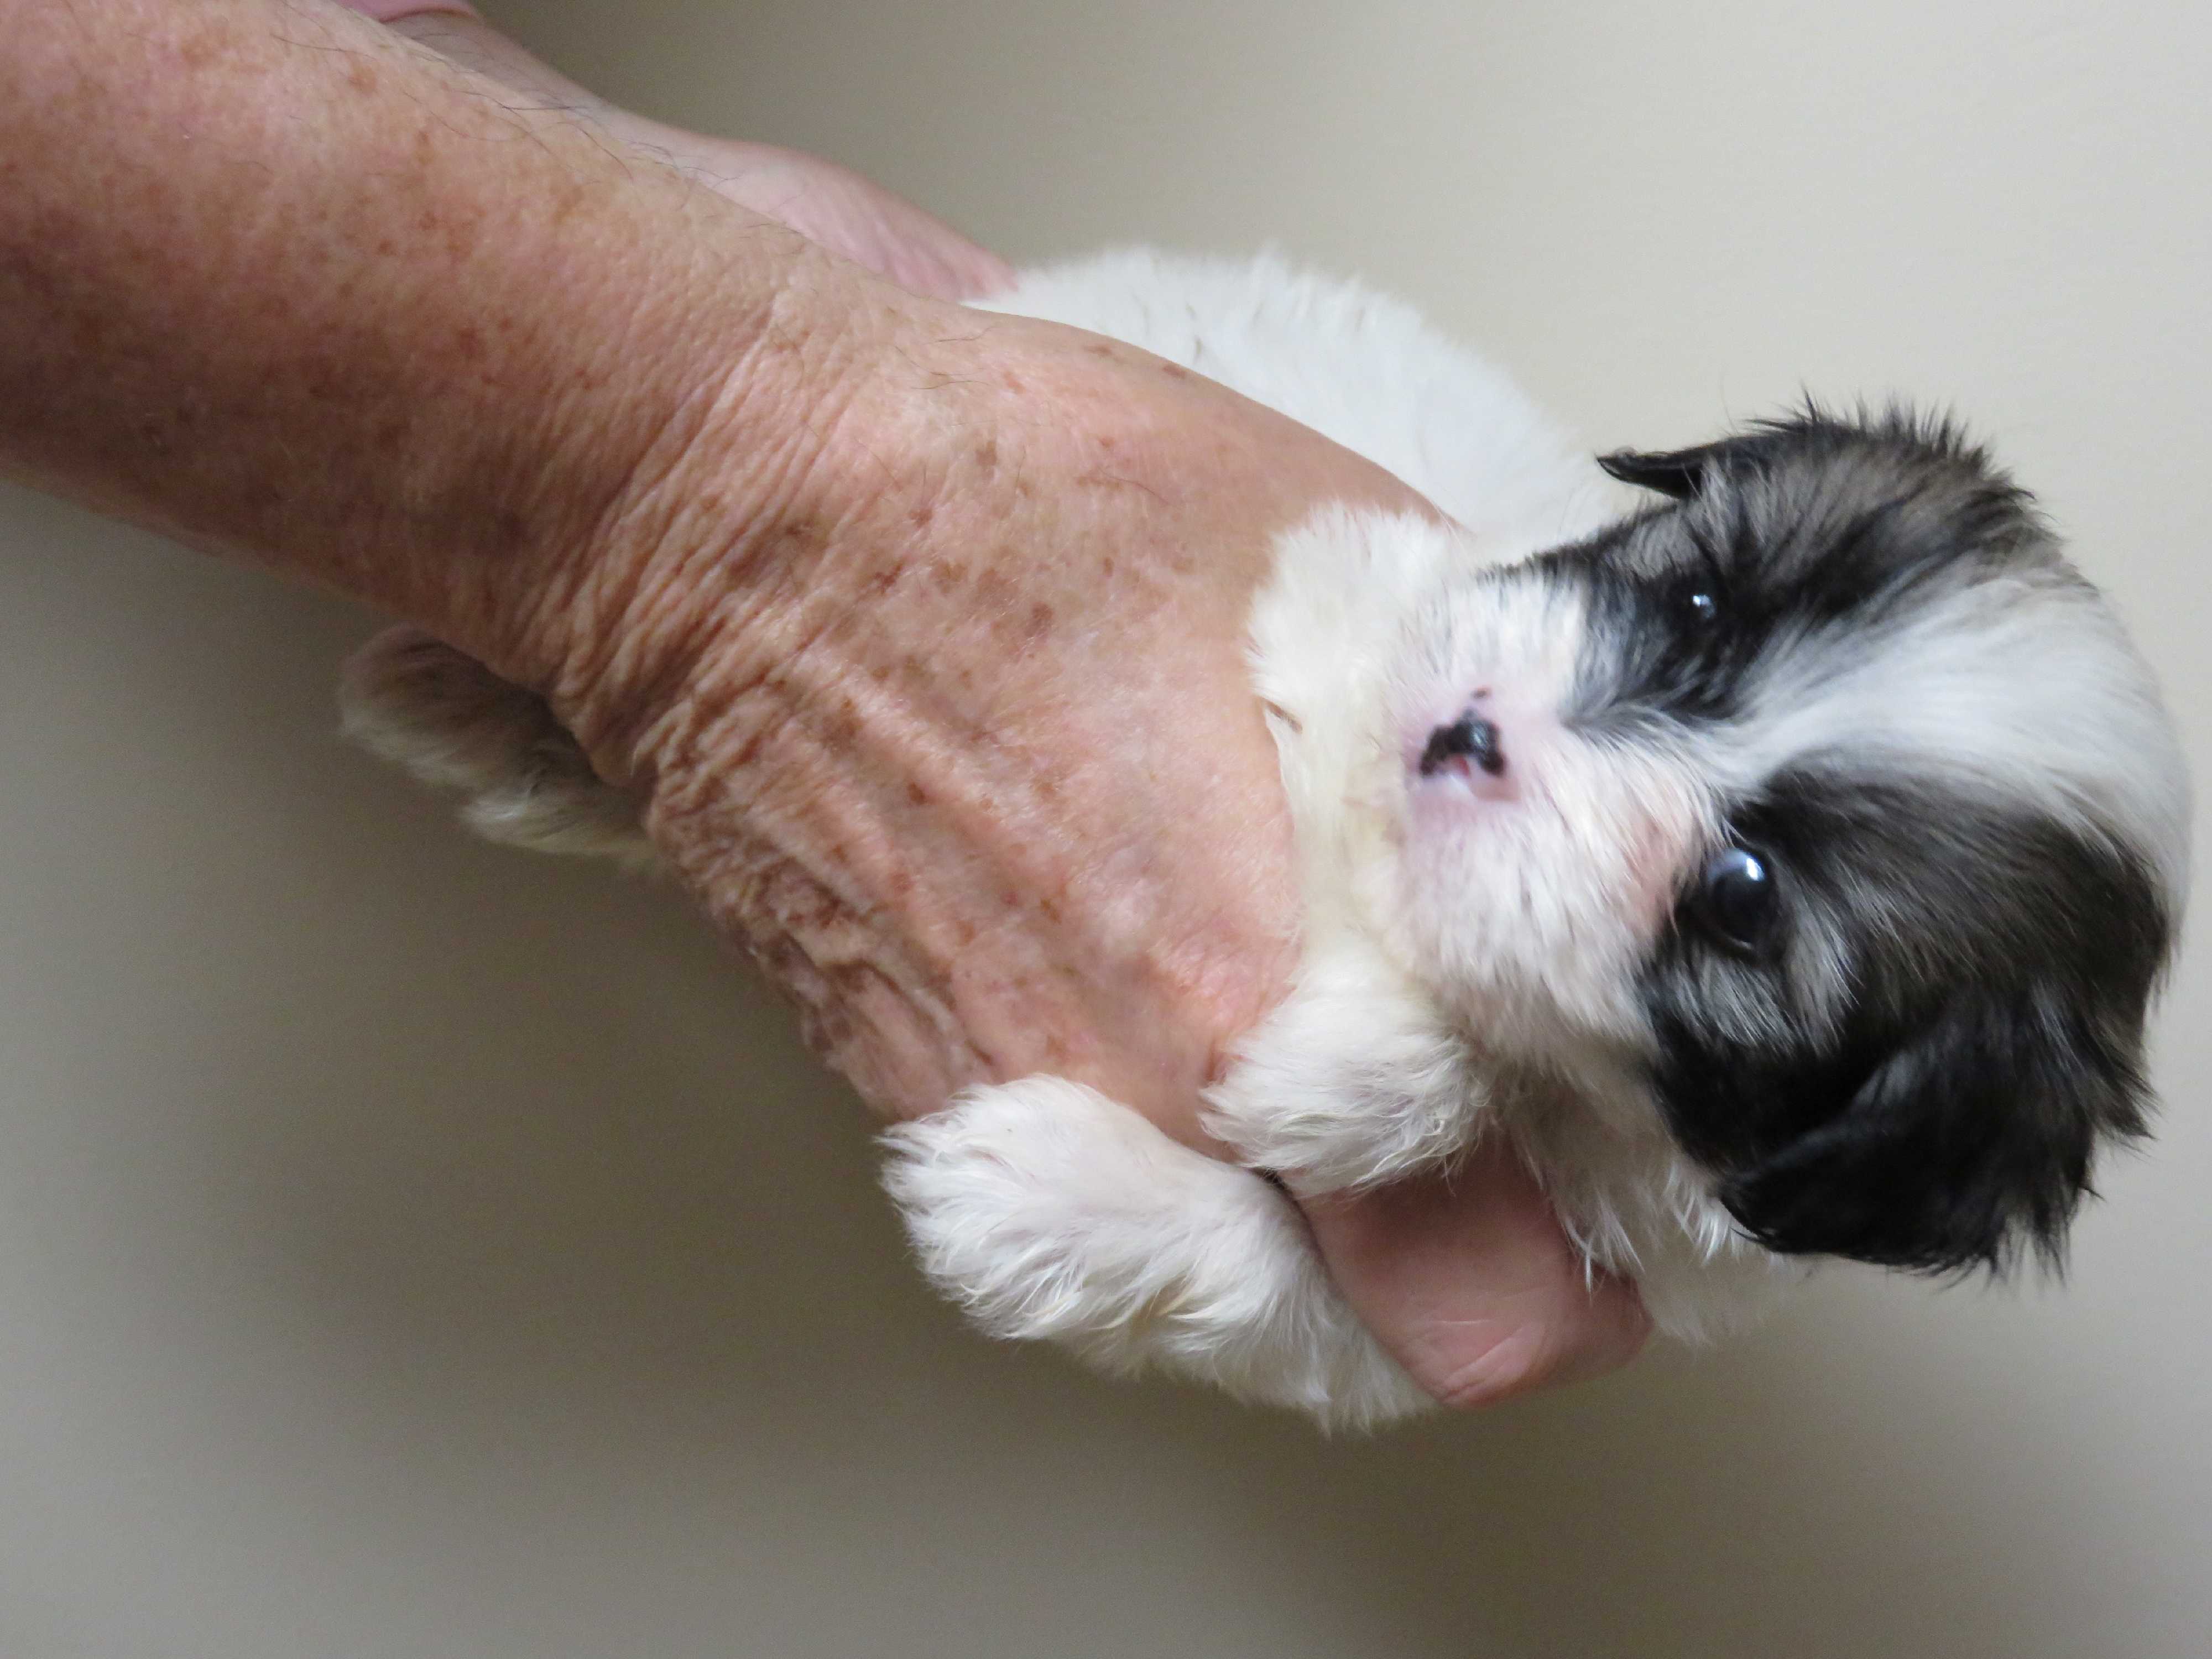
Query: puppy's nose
column 1469, row 737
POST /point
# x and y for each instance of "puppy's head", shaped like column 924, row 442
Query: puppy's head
column 1827, row 801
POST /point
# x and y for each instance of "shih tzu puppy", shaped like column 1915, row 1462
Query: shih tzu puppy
column 1781, row 861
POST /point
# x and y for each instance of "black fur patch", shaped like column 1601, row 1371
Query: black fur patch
column 2001, row 967
column 1797, row 527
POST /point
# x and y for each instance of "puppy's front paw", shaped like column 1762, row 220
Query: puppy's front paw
column 1349, row 1081
column 1048, row 1212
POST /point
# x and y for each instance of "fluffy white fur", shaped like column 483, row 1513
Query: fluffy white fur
column 1047, row 1211
column 412, row 700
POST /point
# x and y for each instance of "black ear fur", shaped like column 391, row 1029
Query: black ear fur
column 1811, row 429
column 1681, row 473
column 1965, row 1147
column 1676, row 472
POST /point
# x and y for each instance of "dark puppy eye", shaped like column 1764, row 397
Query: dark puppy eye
column 1735, row 898
column 1701, row 598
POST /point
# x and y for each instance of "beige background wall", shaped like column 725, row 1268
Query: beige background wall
column 411, row 1248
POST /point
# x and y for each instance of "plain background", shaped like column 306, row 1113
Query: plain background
column 408, row 1248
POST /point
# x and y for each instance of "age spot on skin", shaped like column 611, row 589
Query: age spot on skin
column 843, row 726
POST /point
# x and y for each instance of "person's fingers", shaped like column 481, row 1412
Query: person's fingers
column 1468, row 1282
column 831, row 206
column 834, row 207
column 391, row 11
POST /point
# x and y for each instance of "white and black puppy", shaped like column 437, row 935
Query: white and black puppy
column 1783, row 863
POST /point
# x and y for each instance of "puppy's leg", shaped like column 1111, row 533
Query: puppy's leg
column 1047, row 1211
column 444, row 717
column 1350, row 1081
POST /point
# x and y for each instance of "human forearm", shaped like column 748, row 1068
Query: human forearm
column 280, row 283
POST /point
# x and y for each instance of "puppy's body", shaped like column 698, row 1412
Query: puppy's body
column 1784, row 868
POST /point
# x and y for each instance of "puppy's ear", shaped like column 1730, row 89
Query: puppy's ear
column 1970, row 1144
column 1682, row 473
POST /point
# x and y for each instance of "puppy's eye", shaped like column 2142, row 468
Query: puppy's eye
column 1735, row 898
column 1701, row 591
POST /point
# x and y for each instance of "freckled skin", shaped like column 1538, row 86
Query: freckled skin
column 1081, row 747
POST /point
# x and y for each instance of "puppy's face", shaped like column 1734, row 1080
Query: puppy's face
column 1827, row 805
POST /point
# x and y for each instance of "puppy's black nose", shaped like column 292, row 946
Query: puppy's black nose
column 1470, row 736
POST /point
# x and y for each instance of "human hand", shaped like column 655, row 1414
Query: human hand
column 952, row 731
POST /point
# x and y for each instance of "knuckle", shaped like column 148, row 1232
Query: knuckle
column 1522, row 1359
